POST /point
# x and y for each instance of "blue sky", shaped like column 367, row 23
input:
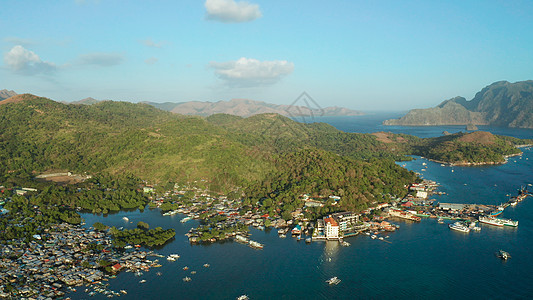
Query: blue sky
column 367, row 55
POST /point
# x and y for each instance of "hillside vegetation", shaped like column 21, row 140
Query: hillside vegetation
column 265, row 156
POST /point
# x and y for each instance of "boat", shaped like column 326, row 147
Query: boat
column 193, row 272
column 373, row 236
column 497, row 222
column 123, row 292
column 503, row 255
column 173, row 257
column 255, row 245
column 308, row 240
column 142, row 281
column 282, row 236
column 125, row 219
column 207, row 265
column 458, row 226
column 185, row 219
column 440, row 221
column 187, row 279
column 345, row 244
column 333, row 281
column 497, row 212
column 243, row 297
column 185, row 268
column 159, row 273
column 138, row 273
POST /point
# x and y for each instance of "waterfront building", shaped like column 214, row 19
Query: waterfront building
column 331, row 228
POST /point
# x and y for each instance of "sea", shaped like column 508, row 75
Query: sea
column 424, row 260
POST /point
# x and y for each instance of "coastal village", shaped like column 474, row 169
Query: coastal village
column 68, row 256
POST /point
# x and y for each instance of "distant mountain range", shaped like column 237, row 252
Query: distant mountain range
column 499, row 104
column 4, row 94
column 246, row 108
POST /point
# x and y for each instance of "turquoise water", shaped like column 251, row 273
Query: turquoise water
column 423, row 260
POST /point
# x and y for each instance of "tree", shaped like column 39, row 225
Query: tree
column 143, row 225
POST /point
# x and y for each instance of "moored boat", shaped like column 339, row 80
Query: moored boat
column 497, row 222
column 458, row 226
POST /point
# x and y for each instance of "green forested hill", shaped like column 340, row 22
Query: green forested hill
column 40, row 135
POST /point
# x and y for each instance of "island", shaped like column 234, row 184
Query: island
column 502, row 104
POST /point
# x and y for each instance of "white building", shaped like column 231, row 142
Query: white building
column 331, row 228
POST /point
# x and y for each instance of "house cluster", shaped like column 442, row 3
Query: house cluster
column 60, row 257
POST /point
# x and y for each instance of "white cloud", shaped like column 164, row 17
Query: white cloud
column 229, row 11
column 247, row 72
column 150, row 43
column 151, row 60
column 102, row 59
column 24, row 61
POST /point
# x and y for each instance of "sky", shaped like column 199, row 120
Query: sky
column 364, row 55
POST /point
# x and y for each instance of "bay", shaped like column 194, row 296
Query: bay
column 422, row 260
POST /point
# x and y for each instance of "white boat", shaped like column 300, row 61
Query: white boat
column 142, row 281
column 497, row 221
column 185, row 219
column 345, row 244
column 243, row 297
column 187, row 279
column 458, row 226
column 125, row 219
column 333, row 281
column 207, row 265
column 255, row 244
column 373, row 236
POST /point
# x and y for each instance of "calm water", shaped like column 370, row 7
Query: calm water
column 422, row 260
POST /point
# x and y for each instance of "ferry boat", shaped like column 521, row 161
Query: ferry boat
column 333, row 281
column 458, row 226
column 498, row 222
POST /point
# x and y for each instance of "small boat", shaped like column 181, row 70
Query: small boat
column 193, row 272
column 308, row 240
column 282, row 236
column 333, row 281
column 345, row 243
column 123, row 292
column 125, row 219
column 159, row 273
column 243, row 297
column 503, row 255
column 185, row 268
column 207, row 265
column 187, row 279
column 142, row 281
column 440, row 221
column 373, row 236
